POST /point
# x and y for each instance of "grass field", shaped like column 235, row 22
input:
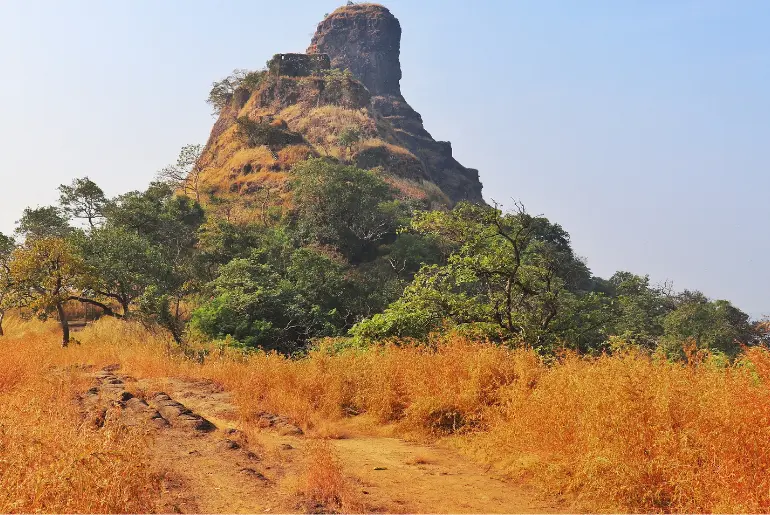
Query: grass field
column 627, row 432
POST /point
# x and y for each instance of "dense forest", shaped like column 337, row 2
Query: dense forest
column 347, row 259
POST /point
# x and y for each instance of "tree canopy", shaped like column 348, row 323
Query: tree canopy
column 346, row 259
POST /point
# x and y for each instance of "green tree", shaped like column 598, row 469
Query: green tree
column 185, row 174
column 119, row 265
column 348, row 137
column 222, row 91
column 275, row 300
column 83, row 199
column 43, row 222
column 221, row 241
column 7, row 245
column 45, row 271
column 513, row 270
column 344, row 206
column 638, row 309
column 717, row 326
column 170, row 224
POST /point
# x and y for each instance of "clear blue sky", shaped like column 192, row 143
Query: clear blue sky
column 643, row 127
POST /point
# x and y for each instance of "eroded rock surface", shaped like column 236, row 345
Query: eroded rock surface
column 315, row 106
column 110, row 400
column 366, row 39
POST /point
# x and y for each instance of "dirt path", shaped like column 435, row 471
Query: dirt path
column 210, row 466
column 424, row 478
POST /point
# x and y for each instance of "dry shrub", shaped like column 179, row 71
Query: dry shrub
column 293, row 154
column 418, row 189
column 329, row 120
column 631, row 433
column 325, row 488
column 143, row 352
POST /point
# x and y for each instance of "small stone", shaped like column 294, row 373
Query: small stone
column 228, row 445
column 286, row 447
column 289, row 430
column 253, row 473
column 125, row 396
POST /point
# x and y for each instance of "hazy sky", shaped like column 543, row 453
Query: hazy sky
column 643, row 127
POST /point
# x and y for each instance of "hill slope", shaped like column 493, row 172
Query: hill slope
column 353, row 112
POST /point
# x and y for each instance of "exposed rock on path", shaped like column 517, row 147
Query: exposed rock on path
column 209, row 465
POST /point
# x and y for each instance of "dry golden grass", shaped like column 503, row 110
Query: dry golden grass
column 324, row 487
column 293, row 154
column 393, row 149
column 627, row 432
column 367, row 8
column 420, row 190
column 321, row 126
column 632, row 433
column 624, row 432
column 50, row 461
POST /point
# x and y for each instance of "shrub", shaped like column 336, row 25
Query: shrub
column 222, row 91
column 325, row 487
column 258, row 133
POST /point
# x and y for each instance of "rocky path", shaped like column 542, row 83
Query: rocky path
column 210, row 466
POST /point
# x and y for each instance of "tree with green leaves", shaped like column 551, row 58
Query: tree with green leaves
column 716, row 326
column 119, row 265
column 343, row 206
column 276, row 299
column 7, row 245
column 45, row 271
column 348, row 137
column 221, row 241
column 638, row 309
column 169, row 223
column 43, row 222
column 222, row 90
column 83, row 199
column 514, row 271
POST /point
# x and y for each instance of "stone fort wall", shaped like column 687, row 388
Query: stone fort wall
column 298, row 65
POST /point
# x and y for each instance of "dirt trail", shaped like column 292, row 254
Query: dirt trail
column 424, row 478
column 210, row 466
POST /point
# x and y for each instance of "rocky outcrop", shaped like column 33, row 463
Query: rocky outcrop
column 366, row 39
column 353, row 112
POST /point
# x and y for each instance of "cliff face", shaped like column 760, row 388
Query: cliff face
column 366, row 39
column 277, row 118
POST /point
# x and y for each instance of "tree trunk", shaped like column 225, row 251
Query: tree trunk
column 65, row 325
column 124, row 304
column 2, row 315
column 106, row 310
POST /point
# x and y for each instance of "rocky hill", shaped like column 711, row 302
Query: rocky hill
column 341, row 99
